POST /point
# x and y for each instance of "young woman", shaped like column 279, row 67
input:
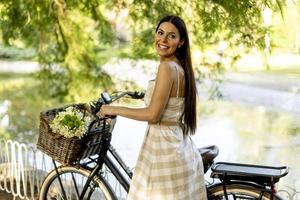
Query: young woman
column 169, row 166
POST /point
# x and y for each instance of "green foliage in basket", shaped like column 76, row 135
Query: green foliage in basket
column 70, row 123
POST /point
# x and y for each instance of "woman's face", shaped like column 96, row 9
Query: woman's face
column 167, row 40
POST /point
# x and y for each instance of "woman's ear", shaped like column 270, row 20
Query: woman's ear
column 181, row 43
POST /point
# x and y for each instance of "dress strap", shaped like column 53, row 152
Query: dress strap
column 177, row 92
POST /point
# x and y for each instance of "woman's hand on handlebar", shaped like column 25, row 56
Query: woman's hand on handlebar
column 105, row 110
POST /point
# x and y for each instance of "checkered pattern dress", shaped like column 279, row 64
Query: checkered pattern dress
column 169, row 166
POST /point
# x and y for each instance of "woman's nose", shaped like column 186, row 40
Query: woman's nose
column 164, row 38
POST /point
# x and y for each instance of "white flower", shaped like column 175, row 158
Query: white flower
column 70, row 123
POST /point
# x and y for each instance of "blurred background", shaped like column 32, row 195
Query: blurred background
column 246, row 57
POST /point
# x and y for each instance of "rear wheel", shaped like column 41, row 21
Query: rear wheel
column 72, row 182
column 238, row 191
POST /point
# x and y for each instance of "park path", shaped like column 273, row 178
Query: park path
column 18, row 66
column 275, row 92
column 6, row 196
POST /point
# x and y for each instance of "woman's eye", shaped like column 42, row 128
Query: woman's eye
column 172, row 36
column 160, row 33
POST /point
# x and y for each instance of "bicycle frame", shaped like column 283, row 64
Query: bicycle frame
column 116, row 172
column 104, row 158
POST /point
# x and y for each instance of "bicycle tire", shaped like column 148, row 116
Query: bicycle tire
column 51, row 189
column 239, row 192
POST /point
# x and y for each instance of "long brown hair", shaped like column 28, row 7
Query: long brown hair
column 183, row 54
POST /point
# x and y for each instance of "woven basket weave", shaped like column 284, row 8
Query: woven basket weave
column 70, row 150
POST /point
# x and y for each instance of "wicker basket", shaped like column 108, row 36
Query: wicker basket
column 70, row 150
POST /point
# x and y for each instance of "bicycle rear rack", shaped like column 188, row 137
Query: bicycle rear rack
column 259, row 174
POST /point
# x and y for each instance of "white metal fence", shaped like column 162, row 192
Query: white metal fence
column 22, row 169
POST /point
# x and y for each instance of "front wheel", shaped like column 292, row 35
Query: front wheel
column 70, row 184
column 239, row 191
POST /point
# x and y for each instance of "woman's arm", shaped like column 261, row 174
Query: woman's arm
column 161, row 93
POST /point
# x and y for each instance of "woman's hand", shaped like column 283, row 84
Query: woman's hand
column 105, row 110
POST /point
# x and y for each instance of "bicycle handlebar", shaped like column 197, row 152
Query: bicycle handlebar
column 106, row 98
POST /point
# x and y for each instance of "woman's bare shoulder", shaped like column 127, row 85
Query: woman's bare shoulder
column 165, row 64
column 168, row 65
column 165, row 71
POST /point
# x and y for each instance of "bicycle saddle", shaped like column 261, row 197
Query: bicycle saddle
column 208, row 155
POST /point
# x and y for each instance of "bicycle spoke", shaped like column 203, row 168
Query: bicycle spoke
column 55, row 192
column 75, row 185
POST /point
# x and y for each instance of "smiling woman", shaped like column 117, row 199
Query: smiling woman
column 169, row 166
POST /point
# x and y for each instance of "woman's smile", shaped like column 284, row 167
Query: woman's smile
column 162, row 46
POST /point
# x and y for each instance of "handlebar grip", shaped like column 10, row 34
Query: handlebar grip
column 137, row 95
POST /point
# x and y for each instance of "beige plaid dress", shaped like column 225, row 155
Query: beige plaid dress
column 169, row 166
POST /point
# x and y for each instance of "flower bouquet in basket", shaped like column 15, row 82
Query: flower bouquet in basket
column 64, row 134
column 70, row 123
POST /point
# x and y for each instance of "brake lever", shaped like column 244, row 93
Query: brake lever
column 96, row 106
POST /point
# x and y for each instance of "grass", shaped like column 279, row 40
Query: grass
column 280, row 63
column 8, row 76
column 14, row 53
column 287, row 73
column 293, row 71
column 290, row 71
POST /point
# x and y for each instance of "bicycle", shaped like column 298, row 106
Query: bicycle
column 85, row 179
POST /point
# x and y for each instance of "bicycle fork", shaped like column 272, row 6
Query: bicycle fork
column 87, row 184
column 59, row 180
